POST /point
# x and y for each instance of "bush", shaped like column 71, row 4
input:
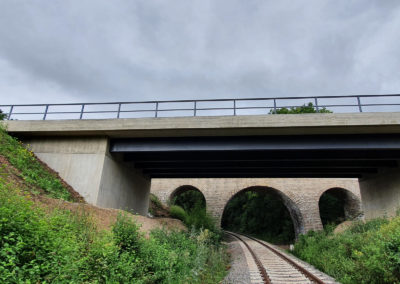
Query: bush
column 64, row 247
column 61, row 247
column 178, row 213
column 365, row 253
column 189, row 200
column 2, row 115
column 155, row 200
column 309, row 108
column 126, row 234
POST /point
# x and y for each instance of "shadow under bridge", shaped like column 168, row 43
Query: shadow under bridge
column 344, row 155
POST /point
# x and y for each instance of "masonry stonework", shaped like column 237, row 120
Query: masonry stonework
column 300, row 195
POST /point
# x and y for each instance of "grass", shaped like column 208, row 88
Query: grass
column 31, row 170
column 60, row 246
column 37, row 247
column 365, row 253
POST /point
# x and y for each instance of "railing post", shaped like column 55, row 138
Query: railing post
column 45, row 112
column 195, row 108
column 316, row 104
column 275, row 106
column 119, row 110
column 359, row 104
column 82, row 109
column 234, row 107
column 10, row 112
column 156, row 114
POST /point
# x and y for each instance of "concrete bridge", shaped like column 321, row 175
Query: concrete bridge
column 111, row 162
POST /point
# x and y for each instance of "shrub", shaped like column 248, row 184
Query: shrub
column 309, row 108
column 365, row 253
column 189, row 200
column 61, row 247
column 126, row 234
column 178, row 212
column 199, row 219
column 2, row 115
column 155, row 200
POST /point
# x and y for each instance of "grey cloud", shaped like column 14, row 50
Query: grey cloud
column 99, row 50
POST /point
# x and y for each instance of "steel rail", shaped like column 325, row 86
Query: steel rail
column 307, row 273
column 260, row 267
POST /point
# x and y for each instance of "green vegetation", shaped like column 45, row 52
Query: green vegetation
column 190, row 208
column 261, row 214
column 31, row 170
column 65, row 247
column 178, row 213
column 331, row 209
column 2, row 115
column 60, row 246
column 365, row 253
column 189, row 199
column 309, row 108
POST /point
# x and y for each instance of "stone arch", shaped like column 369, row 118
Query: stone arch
column 181, row 189
column 352, row 203
column 294, row 210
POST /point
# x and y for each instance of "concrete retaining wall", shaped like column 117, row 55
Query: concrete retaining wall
column 85, row 163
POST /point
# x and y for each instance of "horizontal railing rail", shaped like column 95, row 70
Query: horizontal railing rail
column 203, row 107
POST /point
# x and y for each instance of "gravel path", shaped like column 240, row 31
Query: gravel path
column 239, row 272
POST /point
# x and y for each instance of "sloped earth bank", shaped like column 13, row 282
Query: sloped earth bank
column 103, row 218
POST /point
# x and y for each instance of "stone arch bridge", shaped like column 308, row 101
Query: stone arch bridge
column 300, row 195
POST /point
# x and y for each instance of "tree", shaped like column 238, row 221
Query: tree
column 2, row 115
column 309, row 108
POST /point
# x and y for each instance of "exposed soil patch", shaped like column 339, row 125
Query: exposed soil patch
column 103, row 218
column 158, row 209
column 12, row 174
column 75, row 195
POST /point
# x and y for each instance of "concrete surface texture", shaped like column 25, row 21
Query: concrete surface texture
column 328, row 123
column 300, row 195
column 78, row 150
column 381, row 194
column 85, row 163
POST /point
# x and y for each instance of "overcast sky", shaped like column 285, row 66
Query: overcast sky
column 92, row 51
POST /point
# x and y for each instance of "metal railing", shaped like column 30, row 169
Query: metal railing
column 242, row 106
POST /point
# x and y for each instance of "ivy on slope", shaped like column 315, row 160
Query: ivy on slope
column 31, row 170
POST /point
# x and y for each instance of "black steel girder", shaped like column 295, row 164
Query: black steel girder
column 261, row 156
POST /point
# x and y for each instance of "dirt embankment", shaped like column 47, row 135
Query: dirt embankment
column 103, row 218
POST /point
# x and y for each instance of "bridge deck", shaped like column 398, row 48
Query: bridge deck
column 329, row 123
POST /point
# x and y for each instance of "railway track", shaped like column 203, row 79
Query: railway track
column 269, row 265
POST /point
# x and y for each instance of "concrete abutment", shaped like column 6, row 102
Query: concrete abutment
column 381, row 193
column 102, row 179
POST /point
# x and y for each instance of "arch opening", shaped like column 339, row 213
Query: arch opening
column 188, row 197
column 337, row 205
column 265, row 213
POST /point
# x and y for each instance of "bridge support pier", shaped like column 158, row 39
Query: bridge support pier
column 102, row 179
column 380, row 193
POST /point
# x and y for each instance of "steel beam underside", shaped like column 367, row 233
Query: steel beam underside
column 261, row 156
